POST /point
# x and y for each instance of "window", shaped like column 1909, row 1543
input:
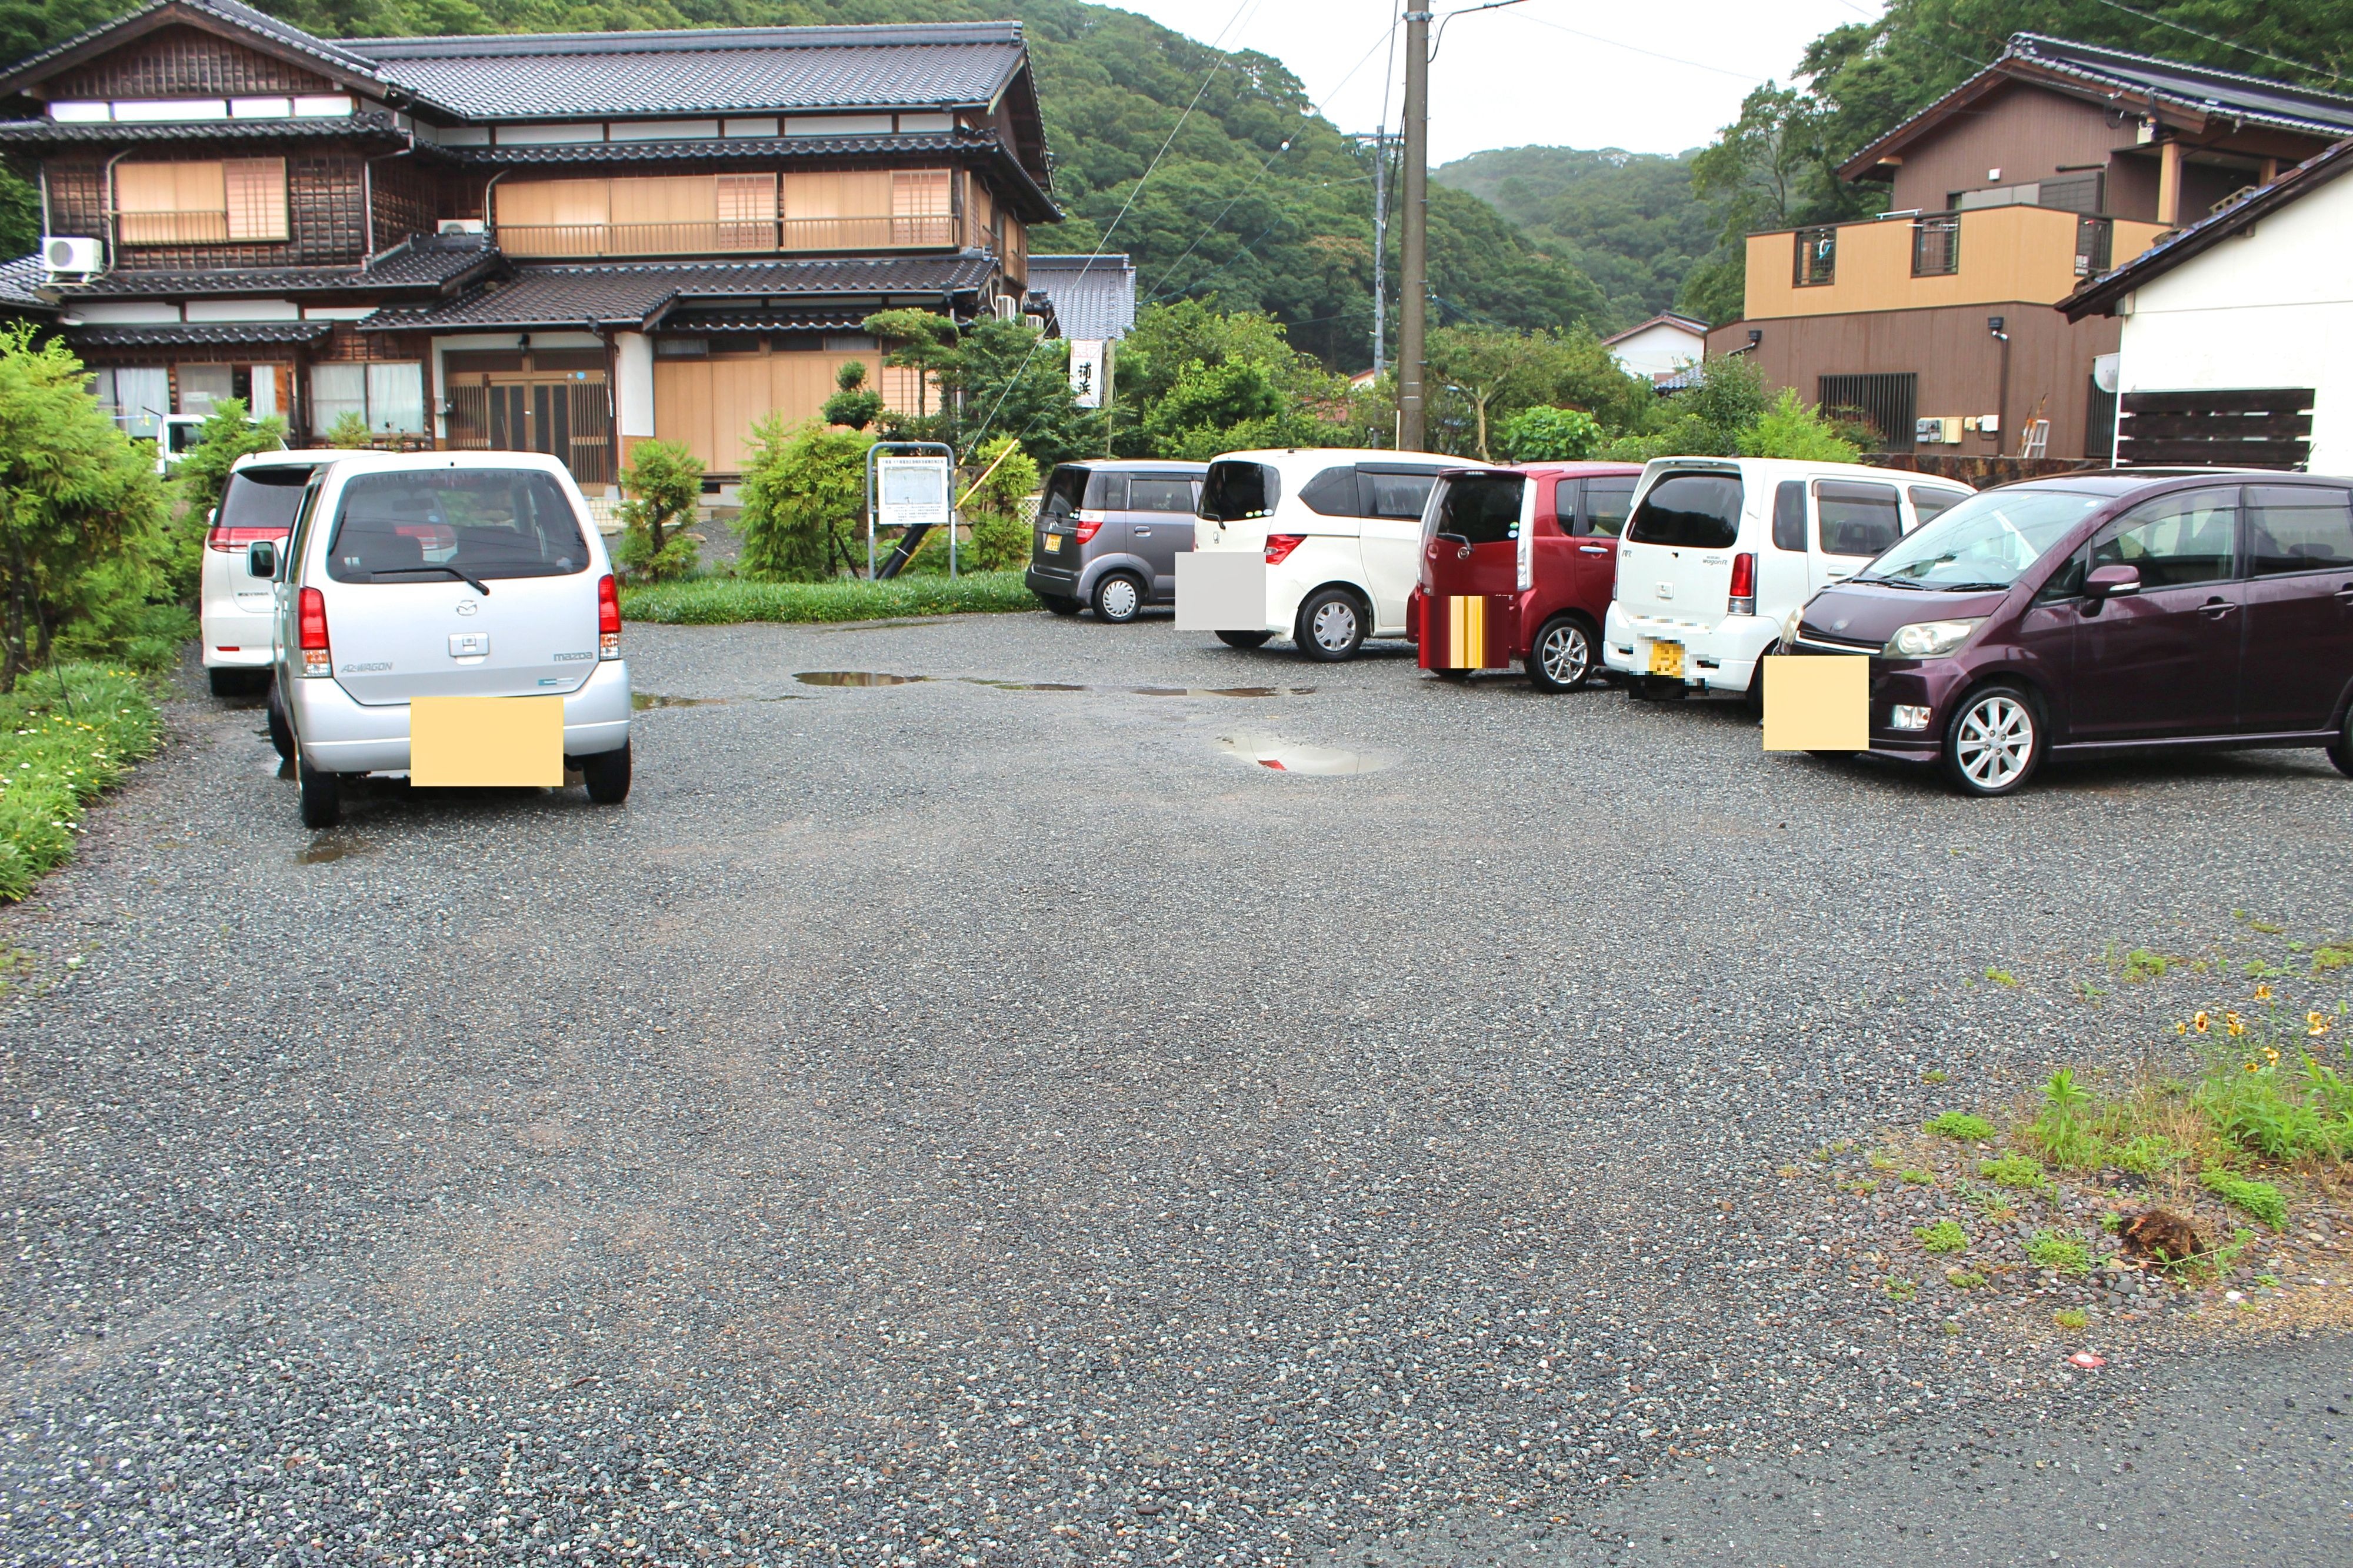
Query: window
column 1481, row 509
column 1563, row 506
column 1159, row 492
column 747, row 211
column 137, row 398
column 1789, row 515
column 1936, row 245
column 1393, row 493
column 1606, row 504
column 479, row 522
column 201, row 202
column 1107, row 492
column 1930, row 504
column 1884, row 400
column 2078, row 193
column 1856, row 518
column 1236, row 490
column 389, row 395
column 1689, row 512
column 1066, row 490
column 922, row 210
column 2299, row 528
column 203, row 386
column 1332, row 493
column 259, row 503
column 1817, row 257
column 2177, row 540
column 2095, row 240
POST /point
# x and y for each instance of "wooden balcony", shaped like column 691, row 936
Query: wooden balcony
column 1983, row 257
column 198, row 228
column 760, row 236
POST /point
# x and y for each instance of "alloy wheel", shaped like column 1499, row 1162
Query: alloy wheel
column 1334, row 625
column 1566, row 654
column 1994, row 743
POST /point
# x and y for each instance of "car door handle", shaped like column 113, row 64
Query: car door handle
column 2346, row 592
column 2215, row 609
column 1140, row 533
column 1592, row 550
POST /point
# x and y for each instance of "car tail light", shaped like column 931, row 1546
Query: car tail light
column 1087, row 523
column 226, row 538
column 312, row 634
column 1279, row 546
column 1744, row 586
column 608, row 619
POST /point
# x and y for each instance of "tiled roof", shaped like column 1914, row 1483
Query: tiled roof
column 556, row 75
column 764, row 320
column 178, row 335
column 432, row 261
column 17, row 279
column 1665, row 319
column 284, row 35
column 631, row 294
column 1093, row 296
column 42, row 131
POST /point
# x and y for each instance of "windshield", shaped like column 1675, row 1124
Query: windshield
column 1235, row 490
column 1986, row 540
column 421, row 526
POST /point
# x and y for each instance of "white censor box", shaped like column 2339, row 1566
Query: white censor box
column 911, row 492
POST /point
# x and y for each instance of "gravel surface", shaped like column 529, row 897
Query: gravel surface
column 955, row 1121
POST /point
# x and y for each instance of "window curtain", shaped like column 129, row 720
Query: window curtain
column 336, row 390
column 143, row 397
column 395, row 395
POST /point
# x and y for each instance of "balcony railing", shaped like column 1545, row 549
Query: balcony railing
column 1936, row 245
column 696, row 238
column 204, row 228
column 2095, row 240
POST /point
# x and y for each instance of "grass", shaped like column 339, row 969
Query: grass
column 1964, row 1279
column 2022, row 1172
column 2141, row 963
column 2260, row 1199
column 64, row 737
column 1919, row 1178
column 721, row 601
column 2002, row 977
column 2060, row 1254
column 1944, row 1236
column 1960, row 1125
column 1902, row 1289
column 2072, row 1318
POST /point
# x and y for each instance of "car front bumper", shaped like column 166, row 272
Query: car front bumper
column 339, row 735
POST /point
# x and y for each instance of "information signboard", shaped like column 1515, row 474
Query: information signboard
column 911, row 492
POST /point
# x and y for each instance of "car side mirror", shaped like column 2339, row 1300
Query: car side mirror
column 261, row 558
column 2111, row 581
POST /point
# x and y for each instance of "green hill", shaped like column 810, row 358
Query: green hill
column 1231, row 214
column 1628, row 220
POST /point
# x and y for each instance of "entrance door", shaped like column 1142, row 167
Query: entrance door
column 554, row 401
column 2164, row 662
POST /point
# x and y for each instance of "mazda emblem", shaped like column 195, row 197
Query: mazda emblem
column 467, row 606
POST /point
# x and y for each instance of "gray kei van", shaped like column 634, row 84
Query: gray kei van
column 1109, row 533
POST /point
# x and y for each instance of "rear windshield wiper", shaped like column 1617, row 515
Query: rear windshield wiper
column 476, row 583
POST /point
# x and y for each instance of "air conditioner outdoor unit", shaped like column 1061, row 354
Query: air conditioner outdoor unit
column 65, row 256
column 460, row 226
column 1008, row 308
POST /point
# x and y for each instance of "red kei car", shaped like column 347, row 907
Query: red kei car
column 1518, row 564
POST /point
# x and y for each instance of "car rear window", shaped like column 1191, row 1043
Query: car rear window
column 1332, row 493
column 423, row 525
column 1066, row 490
column 2298, row 528
column 1107, row 492
column 1392, row 494
column 1689, row 512
column 1479, row 508
column 260, row 503
column 1606, row 503
column 1853, row 518
column 1159, row 492
column 1236, row 490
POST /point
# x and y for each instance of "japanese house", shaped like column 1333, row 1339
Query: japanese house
column 2056, row 163
column 562, row 243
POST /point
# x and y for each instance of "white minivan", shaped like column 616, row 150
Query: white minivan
column 234, row 607
column 1718, row 554
column 1320, row 545
column 466, row 575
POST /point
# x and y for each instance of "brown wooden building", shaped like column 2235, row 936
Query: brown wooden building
column 561, row 243
column 2058, row 162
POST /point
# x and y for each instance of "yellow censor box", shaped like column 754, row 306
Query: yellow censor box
column 1817, row 702
column 485, row 742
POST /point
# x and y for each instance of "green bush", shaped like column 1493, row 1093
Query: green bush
column 225, row 437
column 2060, row 1254
column 1944, row 1236
column 2260, row 1199
column 853, row 405
column 64, row 736
column 803, row 501
column 351, row 432
column 1548, row 435
column 1000, row 535
column 1960, row 1125
column 1792, row 427
column 660, row 488
column 719, row 600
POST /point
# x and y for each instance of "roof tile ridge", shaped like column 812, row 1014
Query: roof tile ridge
column 2187, row 67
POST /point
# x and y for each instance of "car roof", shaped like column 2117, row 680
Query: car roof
column 1135, row 465
column 1796, row 468
column 290, row 457
column 363, row 461
column 1328, row 457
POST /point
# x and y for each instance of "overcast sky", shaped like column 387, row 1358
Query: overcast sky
column 1652, row 76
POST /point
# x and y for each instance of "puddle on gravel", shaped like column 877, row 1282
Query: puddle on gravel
column 641, row 700
column 877, row 678
column 855, row 677
column 329, row 846
column 1291, row 757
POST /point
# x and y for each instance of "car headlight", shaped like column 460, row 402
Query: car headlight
column 1930, row 639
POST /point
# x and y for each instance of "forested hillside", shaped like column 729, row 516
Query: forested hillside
column 1630, row 221
column 1231, row 213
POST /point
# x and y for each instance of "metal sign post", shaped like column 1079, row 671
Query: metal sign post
column 910, row 490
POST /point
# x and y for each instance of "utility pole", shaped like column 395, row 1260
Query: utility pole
column 1414, row 286
column 1380, row 248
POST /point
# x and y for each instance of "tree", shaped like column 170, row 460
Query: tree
column 1004, row 476
column 349, row 432
column 1479, row 376
column 1009, row 379
column 916, row 340
column 228, row 433
column 1792, row 427
column 660, row 488
column 1542, row 435
column 804, row 498
column 853, row 405
column 81, row 514
column 1707, row 419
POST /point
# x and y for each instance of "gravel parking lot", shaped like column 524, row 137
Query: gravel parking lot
column 992, row 1118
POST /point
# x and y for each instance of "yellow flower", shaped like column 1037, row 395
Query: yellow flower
column 2262, row 993
column 2238, row 1026
column 2198, row 1022
column 2271, row 1053
column 2316, row 1024
column 2181, row 1028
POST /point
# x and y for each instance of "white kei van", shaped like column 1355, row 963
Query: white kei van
column 1320, row 545
column 1719, row 552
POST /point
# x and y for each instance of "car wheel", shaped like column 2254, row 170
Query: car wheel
column 1061, row 606
column 1561, row 659
column 1244, row 639
column 2340, row 750
column 607, row 775
column 232, row 682
column 1330, row 626
column 322, row 796
column 281, row 737
column 1994, row 741
column 1119, row 598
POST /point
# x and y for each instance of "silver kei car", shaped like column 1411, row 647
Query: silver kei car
column 453, row 600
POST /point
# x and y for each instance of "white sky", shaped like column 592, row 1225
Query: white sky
column 1515, row 78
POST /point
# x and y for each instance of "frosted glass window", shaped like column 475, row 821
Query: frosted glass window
column 395, row 395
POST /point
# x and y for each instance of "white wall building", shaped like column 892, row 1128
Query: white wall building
column 1658, row 347
column 2226, row 321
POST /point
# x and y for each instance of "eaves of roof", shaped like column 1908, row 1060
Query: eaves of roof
column 1668, row 319
column 433, row 263
column 342, row 128
column 2100, row 294
column 184, row 334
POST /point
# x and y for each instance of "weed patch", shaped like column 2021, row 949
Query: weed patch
column 2072, row 1318
column 2259, row 1199
column 719, row 601
column 1961, row 1126
column 64, row 737
column 2063, row 1255
column 1944, row 1236
column 1964, row 1279
column 2021, row 1173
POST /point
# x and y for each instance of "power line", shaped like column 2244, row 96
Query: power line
column 2226, row 43
column 1636, row 48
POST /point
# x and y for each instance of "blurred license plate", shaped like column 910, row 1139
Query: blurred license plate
column 1053, row 544
column 1667, row 658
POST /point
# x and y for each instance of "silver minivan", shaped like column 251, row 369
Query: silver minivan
column 468, row 575
column 1109, row 532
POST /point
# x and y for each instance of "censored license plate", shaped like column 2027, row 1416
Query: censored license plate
column 1053, row 544
column 1667, row 658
